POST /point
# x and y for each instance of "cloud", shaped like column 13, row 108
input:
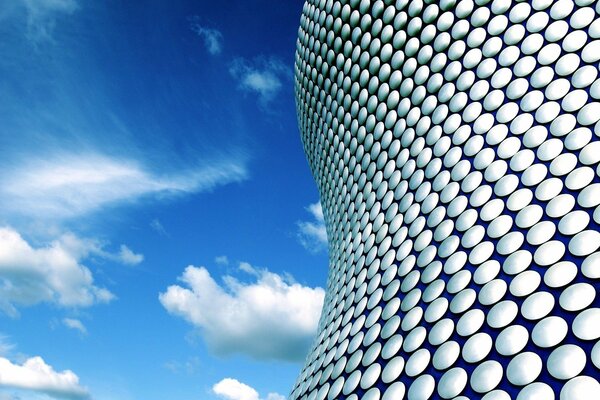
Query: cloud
column 81, row 248
column 317, row 211
column 190, row 366
column 313, row 234
column 75, row 324
column 271, row 318
column 232, row 389
column 34, row 374
column 128, row 257
column 261, row 76
column 70, row 186
column 6, row 346
column 42, row 14
column 52, row 273
column 213, row 38
column 158, row 227
column 222, row 260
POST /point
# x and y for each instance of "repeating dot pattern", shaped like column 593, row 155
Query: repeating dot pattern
column 455, row 145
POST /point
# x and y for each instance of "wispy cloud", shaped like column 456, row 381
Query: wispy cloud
column 158, row 227
column 189, row 366
column 222, row 260
column 212, row 38
column 75, row 324
column 271, row 318
column 232, row 389
column 6, row 346
column 72, row 185
column 261, row 76
column 313, row 234
column 42, row 14
column 52, row 273
column 35, row 375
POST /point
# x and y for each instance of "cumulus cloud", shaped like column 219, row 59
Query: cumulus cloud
column 128, row 257
column 52, row 273
column 262, row 76
column 232, row 389
column 75, row 324
column 35, row 375
column 212, row 38
column 313, row 234
column 270, row 318
column 71, row 185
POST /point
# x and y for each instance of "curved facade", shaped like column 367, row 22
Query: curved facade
column 455, row 144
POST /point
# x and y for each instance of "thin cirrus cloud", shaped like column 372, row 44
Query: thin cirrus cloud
column 35, row 375
column 52, row 273
column 270, row 318
column 6, row 346
column 41, row 16
column 261, row 76
column 212, row 38
column 232, row 389
column 69, row 186
column 313, row 234
column 158, row 227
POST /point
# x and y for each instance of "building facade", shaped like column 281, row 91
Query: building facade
column 455, row 145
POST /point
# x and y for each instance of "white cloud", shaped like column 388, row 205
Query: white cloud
column 317, row 211
column 35, row 375
column 52, row 273
column 128, row 257
column 313, row 234
column 69, row 186
column 75, row 324
column 232, row 389
column 271, row 318
column 261, row 76
column 213, row 38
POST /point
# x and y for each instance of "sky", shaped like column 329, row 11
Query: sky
column 160, row 231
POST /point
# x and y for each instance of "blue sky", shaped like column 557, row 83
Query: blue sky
column 159, row 233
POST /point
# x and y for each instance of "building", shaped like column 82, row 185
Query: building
column 455, row 144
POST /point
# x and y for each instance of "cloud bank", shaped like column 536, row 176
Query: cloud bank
column 271, row 318
column 35, row 375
